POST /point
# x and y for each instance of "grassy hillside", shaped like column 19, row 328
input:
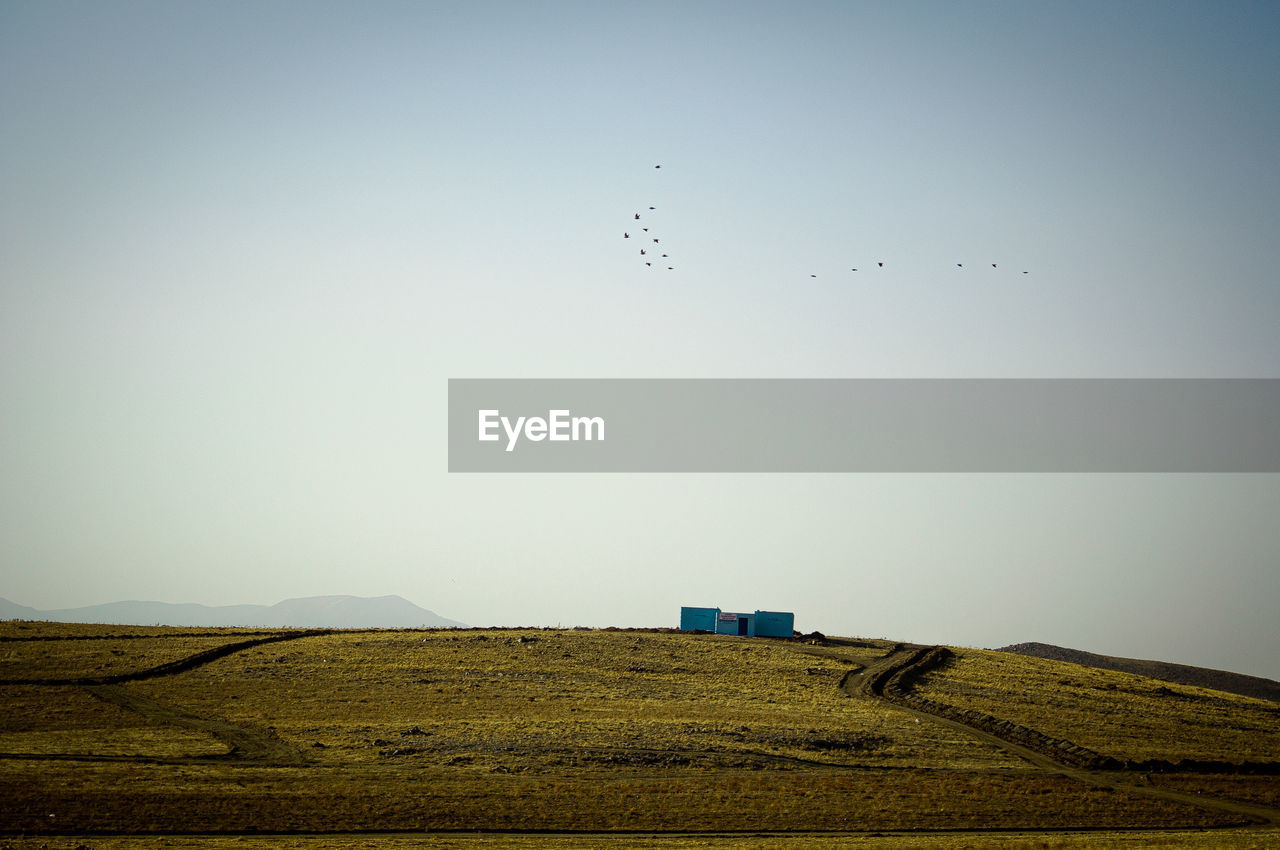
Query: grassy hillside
column 1117, row 714
column 578, row 730
column 1201, row 677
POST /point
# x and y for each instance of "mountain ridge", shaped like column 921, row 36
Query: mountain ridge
column 335, row 612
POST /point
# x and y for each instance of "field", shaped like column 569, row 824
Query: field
column 1141, row 719
column 124, row 737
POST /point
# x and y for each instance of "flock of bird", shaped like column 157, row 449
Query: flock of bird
column 651, row 250
column 880, row 265
column 653, row 253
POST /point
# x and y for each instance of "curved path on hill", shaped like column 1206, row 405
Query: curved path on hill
column 871, row 682
column 244, row 743
column 248, row 744
column 169, row 668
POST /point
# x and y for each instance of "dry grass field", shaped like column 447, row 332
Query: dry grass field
column 587, row 738
column 1090, row 840
column 1116, row 714
column 69, row 649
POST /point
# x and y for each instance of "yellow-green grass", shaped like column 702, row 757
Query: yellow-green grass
column 45, row 630
column 68, row 720
column 1115, row 714
column 133, row 798
column 1258, row 790
column 1229, row 839
column 534, row 699
column 1232, row 839
column 522, row 730
column 75, row 651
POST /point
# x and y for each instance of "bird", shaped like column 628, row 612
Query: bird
column 993, row 265
column 881, row 265
column 669, row 268
column 642, row 252
column 959, row 265
column 657, row 166
column 651, row 207
column 664, row 255
column 626, row 235
column 648, row 264
column 813, row 275
column 655, row 239
column 645, row 229
column 637, row 216
column 853, row 270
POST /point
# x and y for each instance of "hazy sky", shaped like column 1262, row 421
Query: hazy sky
column 244, row 245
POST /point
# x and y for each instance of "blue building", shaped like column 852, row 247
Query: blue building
column 756, row 624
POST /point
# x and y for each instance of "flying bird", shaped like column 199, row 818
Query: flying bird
column 655, row 239
column 959, row 265
column 657, row 166
column 651, row 207
column 642, row 252
column 853, row 270
column 993, row 265
column 626, row 235
column 881, row 265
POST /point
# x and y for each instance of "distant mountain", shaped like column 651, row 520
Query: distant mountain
column 333, row 612
column 14, row 611
column 1203, row 677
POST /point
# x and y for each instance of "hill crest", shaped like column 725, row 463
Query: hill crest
column 1182, row 674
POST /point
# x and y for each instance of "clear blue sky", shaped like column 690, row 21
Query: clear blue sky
column 243, row 246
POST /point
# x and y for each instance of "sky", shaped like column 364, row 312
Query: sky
column 244, row 246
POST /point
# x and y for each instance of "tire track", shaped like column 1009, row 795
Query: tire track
column 244, row 743
column 169, row 668
column 888, row 679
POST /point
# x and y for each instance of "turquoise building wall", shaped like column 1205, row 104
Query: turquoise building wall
column 756, row 624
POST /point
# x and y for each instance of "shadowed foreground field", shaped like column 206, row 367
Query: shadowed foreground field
column 1225, row 839
column 589, row 738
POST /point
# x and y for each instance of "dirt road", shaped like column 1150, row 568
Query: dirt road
column 873, row 683
column 245, row 743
